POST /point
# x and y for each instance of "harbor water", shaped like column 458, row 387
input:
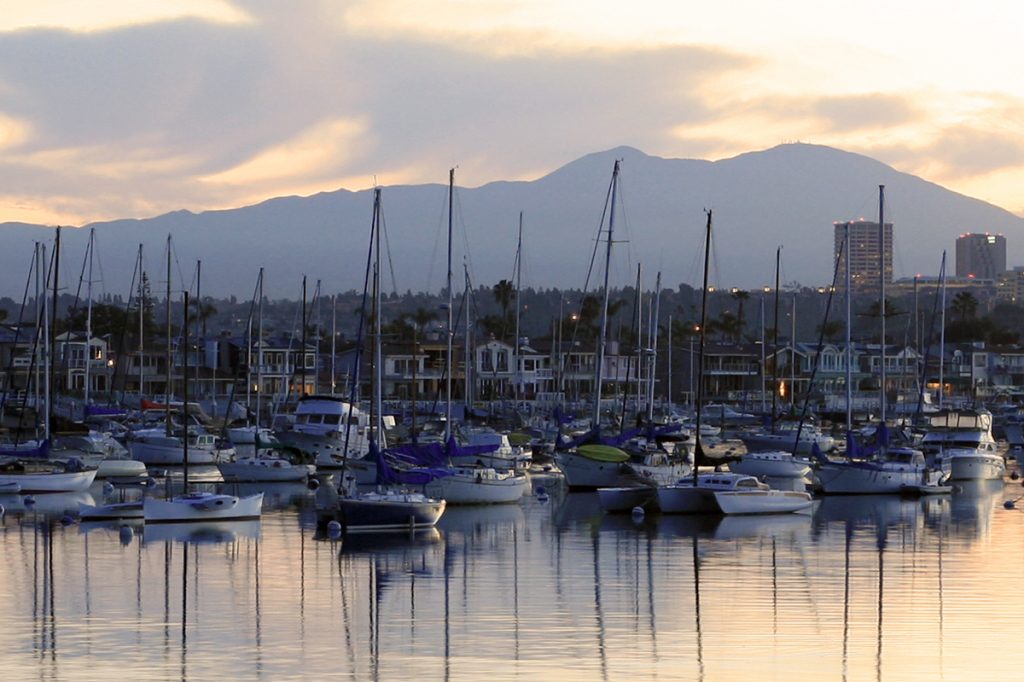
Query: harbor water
column 860, row 588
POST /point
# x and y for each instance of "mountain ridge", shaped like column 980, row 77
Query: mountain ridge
column 786, row 195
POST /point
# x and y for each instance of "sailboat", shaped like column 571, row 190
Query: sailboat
column 27, row 467
column 163, row 446
column 588, row 464
column 385, row 508
column 199, row 506
column 724, row 492
column 880, row 468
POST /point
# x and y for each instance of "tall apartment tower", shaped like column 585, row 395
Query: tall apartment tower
column 865, row 254
column 980, row 256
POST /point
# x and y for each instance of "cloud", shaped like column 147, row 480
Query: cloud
column 179, row 113
column 859, row 112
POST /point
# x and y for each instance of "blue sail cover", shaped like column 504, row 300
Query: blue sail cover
column 594, row 437
column 420, row 464
column 100, row 411
column 42, row 451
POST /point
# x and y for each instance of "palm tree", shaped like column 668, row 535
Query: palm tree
column 832, row 330
column 965, row 305
column 422, row 317
column 740, row 296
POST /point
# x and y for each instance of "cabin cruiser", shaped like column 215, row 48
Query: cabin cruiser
column 157, row 446
column 961, row 441
column 728, row 493
column 322, row 425
column 877, row 468
column 788, row 436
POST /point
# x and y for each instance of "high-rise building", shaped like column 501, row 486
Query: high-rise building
column 865, row 254
column 981, row 256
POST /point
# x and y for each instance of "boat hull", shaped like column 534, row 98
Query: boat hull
column 686, row 499
column 202, row 507
column 59, row 482
column 626, row 498
column 787, row 442
column 840, row 478
column 116, row 510
column 169, row 455
column 584, row 473
column 466, row 489
column 978, row 467
column 264, row 471
column 771, row 464
column 388, row 512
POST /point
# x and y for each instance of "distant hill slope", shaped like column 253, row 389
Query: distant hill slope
column 788, row 195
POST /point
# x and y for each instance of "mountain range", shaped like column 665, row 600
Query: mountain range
column 788, row 195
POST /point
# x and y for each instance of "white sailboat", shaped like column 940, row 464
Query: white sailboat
column 729, row 493
column 199, row 506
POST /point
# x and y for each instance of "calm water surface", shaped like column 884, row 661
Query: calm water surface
column 862, row 588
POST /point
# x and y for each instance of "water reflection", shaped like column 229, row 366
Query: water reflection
column 859, row 588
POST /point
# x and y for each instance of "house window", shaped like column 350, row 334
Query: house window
column 502, row 361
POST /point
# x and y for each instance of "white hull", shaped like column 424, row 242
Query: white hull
column 465, row 488
column 119, row 468
column 246, row 435
column 787, row 442
column 116, row 510
column 771, row 464
column 659, row 474
column 979, row 467
column 583, row 473
column 686, row 499
column 761, row 501
column 264, row 470
column 202, row 507
column 843, row 478
column 58, row 482
column 167, row 454
column 625, row 499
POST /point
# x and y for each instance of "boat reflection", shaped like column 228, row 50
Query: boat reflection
column 735, row 527
column 473, row 519
column 54, row 505
column 276, row 495
column 200, row 532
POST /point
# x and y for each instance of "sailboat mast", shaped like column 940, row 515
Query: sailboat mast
column 775, row 338
column 467, row 364
column 302, row 350
column 849, row 332
column 881, row 296
column 942, row 330
column 603, row 334
column 334, row 343
column 51, row 386
column 142, row 313
column 88, row 320
column 654, row 349
column 697, row 451
column 519, row 284
column 259, row 349
column 378, row 372
column 448, row 330
column 184, row 388
column 199, row 305
column 169, row 382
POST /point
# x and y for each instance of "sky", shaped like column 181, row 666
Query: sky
column 125, row 109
